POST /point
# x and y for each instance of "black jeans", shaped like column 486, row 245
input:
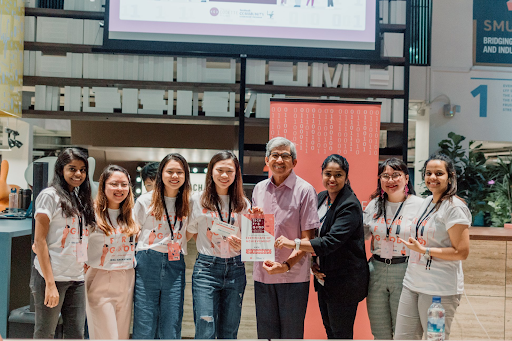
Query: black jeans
column 71, row 306
column 338, row 317
column 281, row 309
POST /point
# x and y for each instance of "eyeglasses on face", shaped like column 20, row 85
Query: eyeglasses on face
column 284, row 156
column 395, row 176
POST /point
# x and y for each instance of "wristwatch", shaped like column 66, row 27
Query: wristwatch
column 427, row 254
column 297, row 244
column 288, row 265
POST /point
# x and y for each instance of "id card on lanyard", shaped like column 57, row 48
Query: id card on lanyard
column 173, row 248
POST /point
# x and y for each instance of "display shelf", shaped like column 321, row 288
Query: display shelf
column 200, row 87
column 143, row 118
column 56, row 48
column 322, row 91
column 88, row 82
column 60, row 13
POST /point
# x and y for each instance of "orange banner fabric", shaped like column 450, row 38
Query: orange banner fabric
column 319, row 129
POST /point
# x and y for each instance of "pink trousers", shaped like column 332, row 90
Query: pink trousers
column 109, row 303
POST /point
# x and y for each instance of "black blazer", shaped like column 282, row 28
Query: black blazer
column 340, row 247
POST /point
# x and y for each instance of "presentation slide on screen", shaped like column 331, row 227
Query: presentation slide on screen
column 325, row 23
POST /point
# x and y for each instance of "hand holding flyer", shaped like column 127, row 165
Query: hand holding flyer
column 258, row 237
column 224, row 229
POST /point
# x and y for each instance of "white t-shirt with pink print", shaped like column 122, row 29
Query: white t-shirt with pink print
column 113, row 252
column 156, row 234
column 62, row 238
column 201, row 221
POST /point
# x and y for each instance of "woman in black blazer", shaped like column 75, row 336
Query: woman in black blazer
column 340, row 266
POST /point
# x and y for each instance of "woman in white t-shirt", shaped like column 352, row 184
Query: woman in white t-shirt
column 111, row 254
column 439, row 242
column 160, row 271
column 218, row 280
column 387, row 217
column 63, row 213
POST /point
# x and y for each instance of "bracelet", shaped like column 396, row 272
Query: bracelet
column 288, row 265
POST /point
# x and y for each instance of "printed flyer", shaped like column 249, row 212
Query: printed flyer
column 258, row 237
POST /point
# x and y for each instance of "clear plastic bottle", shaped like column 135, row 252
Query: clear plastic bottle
column 13, row 201
column 435, row 324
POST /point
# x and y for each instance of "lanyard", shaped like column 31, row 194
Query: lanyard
column 423, row 218
column 80, row 224
column 329, row 204
column 229, row 211
column 171, row 227
column 388, row 229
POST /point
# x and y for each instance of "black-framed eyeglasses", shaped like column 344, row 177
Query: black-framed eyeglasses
column 284, row 156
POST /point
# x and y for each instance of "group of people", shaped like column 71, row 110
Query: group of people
column 101, row 258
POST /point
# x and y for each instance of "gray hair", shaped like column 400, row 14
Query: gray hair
column 281, row 142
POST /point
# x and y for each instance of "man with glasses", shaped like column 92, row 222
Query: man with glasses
column 281, row 287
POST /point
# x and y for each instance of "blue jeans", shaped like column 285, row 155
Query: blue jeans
column 218, row 286
column 281, row 309
column 158, row 296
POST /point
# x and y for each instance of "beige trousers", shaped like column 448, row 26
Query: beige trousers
column 109, row 303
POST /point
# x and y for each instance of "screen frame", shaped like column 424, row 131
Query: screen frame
column 238, row 50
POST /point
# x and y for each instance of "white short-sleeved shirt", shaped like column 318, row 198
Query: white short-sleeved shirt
column 62, row 238
column 113, row 252
column 201, row 221
column 156, row 234
column 445, row 277
column 376, row 227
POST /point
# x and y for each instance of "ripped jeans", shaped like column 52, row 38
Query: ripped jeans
column 218, row 286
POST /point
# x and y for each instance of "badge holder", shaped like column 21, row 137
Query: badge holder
column 173, row 251
column 386, row 249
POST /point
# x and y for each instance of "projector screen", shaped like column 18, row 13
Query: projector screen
column 321, row 29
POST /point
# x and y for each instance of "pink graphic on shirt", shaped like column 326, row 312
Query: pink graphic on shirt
column 104, row 254
column 64, row 236
column 152, row 237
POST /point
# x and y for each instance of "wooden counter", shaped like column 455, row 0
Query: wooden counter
column 490, row 233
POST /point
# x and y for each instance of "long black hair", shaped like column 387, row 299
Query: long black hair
column 79, row 201
column 395, row 164
column 451, row 190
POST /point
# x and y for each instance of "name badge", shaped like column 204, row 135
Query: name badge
column 173, row 251
column 386, row 249
column 81, row 252
column 223, row 229
column 224, row 248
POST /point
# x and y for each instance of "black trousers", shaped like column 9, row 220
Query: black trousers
column 281, row 309
column 337, row 316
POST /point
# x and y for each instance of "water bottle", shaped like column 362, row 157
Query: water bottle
column 435, row 324
column 13, row 201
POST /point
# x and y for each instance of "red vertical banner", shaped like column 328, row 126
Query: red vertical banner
column 319, row 129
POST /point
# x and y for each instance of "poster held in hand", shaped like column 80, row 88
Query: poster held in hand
column 258, row 237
